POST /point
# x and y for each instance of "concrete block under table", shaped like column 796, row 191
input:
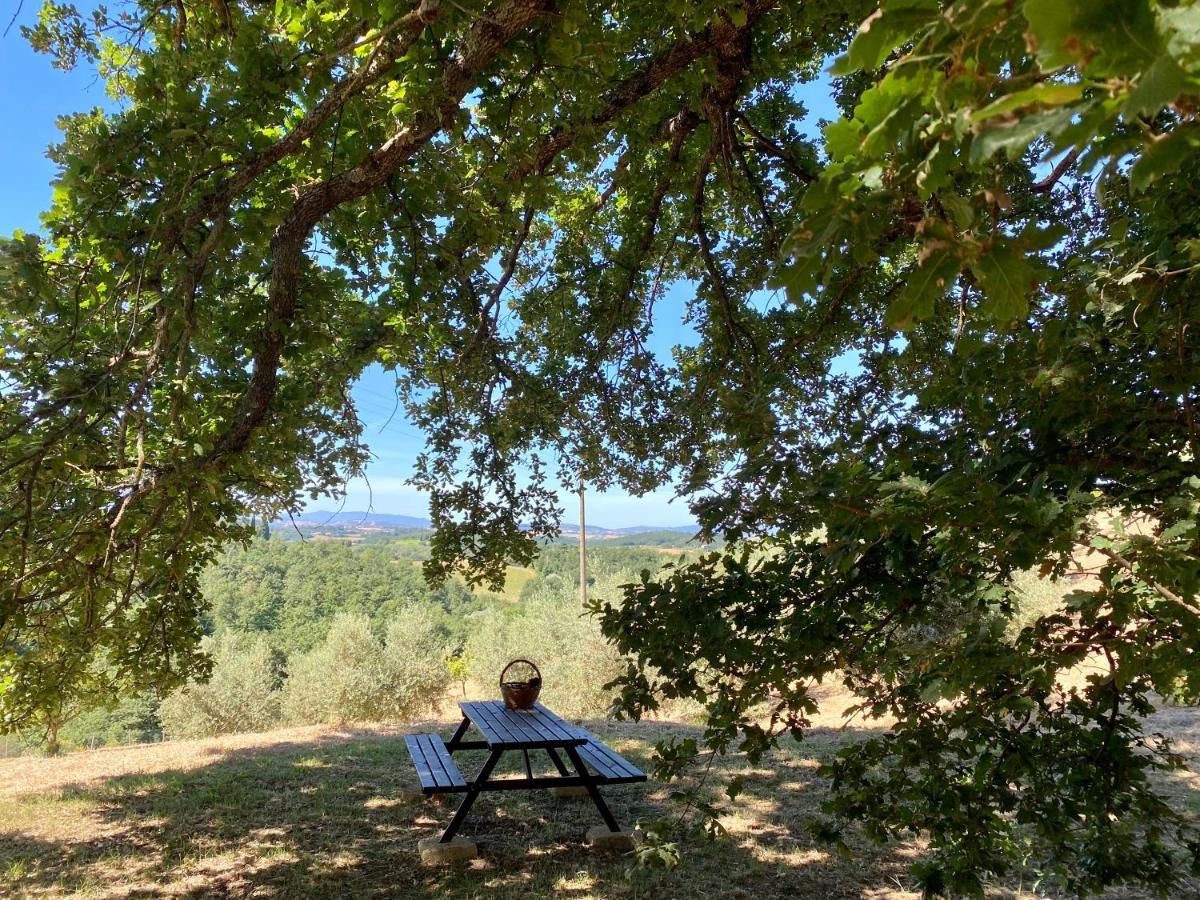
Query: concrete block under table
column 602, row 839
column 436, row 853
column 574, row 791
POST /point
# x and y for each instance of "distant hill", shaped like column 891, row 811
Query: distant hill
column 599, row 531
column 642, row 537
column 353, row 522
column 358, row 519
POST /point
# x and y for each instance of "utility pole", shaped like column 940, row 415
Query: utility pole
column 582, row 549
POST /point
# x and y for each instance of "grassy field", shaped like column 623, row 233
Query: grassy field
column 320, row 812
column 515, row 579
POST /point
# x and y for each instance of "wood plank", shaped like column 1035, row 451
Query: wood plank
column 503, row 733
column 524, row 725
column 602, row 757
column 556, row 721
column 511, row 729
column 429, row 744
column 435, row 767
column 551, row 723
column 602, row 749
column 551, row 726
column 471, row 711
column 534, row 720
column 480, row 714
column 417, row 752
column 454, row 777
column 507, row 730
column 604, row 768
column 440, row 775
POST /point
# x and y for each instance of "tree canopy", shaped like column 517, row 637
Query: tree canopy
column 951, row 339
column 486, row 198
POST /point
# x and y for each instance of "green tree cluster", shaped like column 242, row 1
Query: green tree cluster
column 350, row 676
column 291, row 591
column 356, row 677
column 550, row 628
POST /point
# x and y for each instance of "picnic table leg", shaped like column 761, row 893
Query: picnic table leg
column 594, row 792
column 458, row 735
column 557, row 760
column 472, row 792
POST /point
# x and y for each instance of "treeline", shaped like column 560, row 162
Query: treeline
column 304, row 632
column 292, row 590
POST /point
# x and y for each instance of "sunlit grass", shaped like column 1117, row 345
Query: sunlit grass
column 336, row 816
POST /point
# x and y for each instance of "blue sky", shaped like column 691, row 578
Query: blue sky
column 33, row 94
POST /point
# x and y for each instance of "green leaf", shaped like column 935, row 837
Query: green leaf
column 1006, row 276
column 1159, row 85
column 924, row 286
column 1165, row 156
column 1039, row 95
column 1013, row 139
column 1101, row 37
column 1049, row 25
column 842, row 138
column 882, row 32
column 962, row 213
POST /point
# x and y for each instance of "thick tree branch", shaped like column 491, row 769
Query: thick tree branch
column 394, row 41
column 772, row 148
column 1047, row 184
column 715, row 38
column 480, row 46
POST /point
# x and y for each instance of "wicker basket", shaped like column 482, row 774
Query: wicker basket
column 521, row 694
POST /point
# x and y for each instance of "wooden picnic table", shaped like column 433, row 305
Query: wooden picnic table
column 518, row 730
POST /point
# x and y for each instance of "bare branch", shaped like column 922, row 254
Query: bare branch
column 1047, row 184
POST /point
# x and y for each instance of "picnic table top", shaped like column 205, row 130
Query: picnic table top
column 505, row 728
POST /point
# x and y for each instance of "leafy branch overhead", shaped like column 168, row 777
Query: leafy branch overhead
column 1095, row 88
column 289, row 193
column 1012, row 186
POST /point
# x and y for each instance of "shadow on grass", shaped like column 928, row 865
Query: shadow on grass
column 338, row 820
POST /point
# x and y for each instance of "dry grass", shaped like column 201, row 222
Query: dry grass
column 326, row 812
column 40, row 774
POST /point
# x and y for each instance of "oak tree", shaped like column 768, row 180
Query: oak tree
column 952, row 339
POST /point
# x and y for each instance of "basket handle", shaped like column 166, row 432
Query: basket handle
column 527, row 662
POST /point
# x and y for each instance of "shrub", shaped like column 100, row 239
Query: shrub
column 1036, row 597
column 355, row 677
column 239, row 696
column 550, row 629
column 415, row 670
column 133, row 720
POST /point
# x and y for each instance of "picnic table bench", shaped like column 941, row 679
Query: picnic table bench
column 593, row 763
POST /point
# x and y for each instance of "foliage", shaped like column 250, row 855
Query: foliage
column 1010, row 186
column 132, row 720
column 355, row 677
column 289, row 192
column 606, row 561
column 291, row 591
column 241, row 694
